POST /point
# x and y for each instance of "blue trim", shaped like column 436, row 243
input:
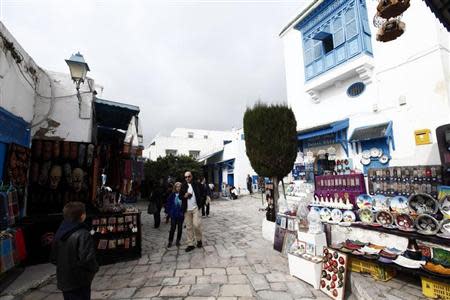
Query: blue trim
column 14, row 129
column 388, row 136
column 333, row 133
column 3, row 151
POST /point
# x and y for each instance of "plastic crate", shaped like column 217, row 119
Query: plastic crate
column 380, row 273
column 435, row 289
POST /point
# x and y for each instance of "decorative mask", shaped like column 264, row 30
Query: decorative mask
column 68, row 173
column 90, row 155
column 37, row 148
column 81, row 154
column 47, row 153
column 55, row 176
column 43, row 175
column 73, row 151
column 56, row 149
column 77, row 179
column 66, row 150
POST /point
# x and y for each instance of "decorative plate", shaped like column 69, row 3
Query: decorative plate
column 325, row 214
column 445, row 226
column 365, row 154
column 399, row 204
column 423, row 204
column 384, row 159
column 365, row 161
column 364, row 201
column 336, row 215
column 380, row 202
column 427, row 225
column 445, row 207
column 366, row 215
column 384, row 218
column 349, row 216
column 376, row 152
column 408, row 263
column 404, row 222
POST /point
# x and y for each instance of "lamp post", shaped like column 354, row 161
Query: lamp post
column 78, row 69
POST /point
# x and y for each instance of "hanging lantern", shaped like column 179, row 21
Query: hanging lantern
column 392, row 8
column 391, row 30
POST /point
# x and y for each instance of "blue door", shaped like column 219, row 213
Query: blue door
column 230, row 179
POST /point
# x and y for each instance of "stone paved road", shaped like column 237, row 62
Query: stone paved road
column 235, row 263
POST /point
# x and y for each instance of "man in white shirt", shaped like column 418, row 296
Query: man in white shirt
column 193, row 199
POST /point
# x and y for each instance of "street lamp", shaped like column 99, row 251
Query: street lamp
column 78, row 68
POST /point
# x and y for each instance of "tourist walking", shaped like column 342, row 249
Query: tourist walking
column 249, row 184
column 192, row 199
column 157, row 199
column 208, row 194
column 73, row 253
column 174, row 210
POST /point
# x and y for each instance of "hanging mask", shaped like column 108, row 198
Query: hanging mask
column 37, row 148
column 77, row 179
column 90, row 155
column 55, row 177
column 66, row 150
column 56, row 149
column 81, row 154
column 47, row 152
column 73, row 151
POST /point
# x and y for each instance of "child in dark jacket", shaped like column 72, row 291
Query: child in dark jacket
column 73, row 253
column 174, row 210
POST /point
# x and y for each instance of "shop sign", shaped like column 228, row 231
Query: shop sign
column 322, row 140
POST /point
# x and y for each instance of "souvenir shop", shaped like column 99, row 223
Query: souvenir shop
column 14, row 164
column 104, row 174
column 383, row 220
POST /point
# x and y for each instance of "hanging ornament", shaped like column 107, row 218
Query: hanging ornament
column 392, row 8
column 391, row 30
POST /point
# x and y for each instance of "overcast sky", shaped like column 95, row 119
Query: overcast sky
column 195, row 64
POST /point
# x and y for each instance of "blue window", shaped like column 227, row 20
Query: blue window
column 336, row 31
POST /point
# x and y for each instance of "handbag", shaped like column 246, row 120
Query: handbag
column 151, row 209
column 208, row 200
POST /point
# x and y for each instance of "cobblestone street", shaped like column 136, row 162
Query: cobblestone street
column 235, row 263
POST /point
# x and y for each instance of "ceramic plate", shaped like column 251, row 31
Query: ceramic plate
column 366, row 215
column 376, row 152
column 380, row 202
column 349, row 216
column 325, row 214
column 336, row 215
column 404, row 222
column 423, row 204
column 399, row 204
column 445, row 227
column 365, row 161
column 365, row 154
column 364, row 201
column 384, row 159
column 445, row 207
column 384, row 218
column 427, row 225
column 408, row 263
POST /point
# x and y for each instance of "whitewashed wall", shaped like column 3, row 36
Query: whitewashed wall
column 414, row 67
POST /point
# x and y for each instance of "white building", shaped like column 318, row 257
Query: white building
column 341, row 82
column 229, row 165
column 190, row 142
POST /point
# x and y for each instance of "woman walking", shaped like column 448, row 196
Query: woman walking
column 174, row 210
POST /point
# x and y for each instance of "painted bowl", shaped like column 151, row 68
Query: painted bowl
column 423, row 204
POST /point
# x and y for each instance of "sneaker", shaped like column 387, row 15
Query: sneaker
column 199, row 244
column 169, row 245
column 190, row 248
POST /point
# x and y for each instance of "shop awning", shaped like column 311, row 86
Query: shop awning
column 204, row 158
column 326, row 134
column 114, row 114
column 14, row 129
column 229, row 163
column 373, row 132
column 440, row 10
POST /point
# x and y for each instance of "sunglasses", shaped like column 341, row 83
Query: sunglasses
column 187, row 176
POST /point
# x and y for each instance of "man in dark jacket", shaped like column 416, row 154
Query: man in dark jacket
column 73, row 253
column 192, row 201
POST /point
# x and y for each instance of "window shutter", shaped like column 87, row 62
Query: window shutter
column 338, row 32
column 308, row 51
column 317, row 49
column 351, row 27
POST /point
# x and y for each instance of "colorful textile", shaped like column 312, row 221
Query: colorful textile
column 127, row 169
column 11, row 218
column 4, row 215
column 6, row 254
column 19, row 241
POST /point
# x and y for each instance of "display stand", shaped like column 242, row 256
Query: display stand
column 268, row 230
column 303, row 268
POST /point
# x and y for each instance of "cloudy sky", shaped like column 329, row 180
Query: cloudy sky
column 186, row 63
